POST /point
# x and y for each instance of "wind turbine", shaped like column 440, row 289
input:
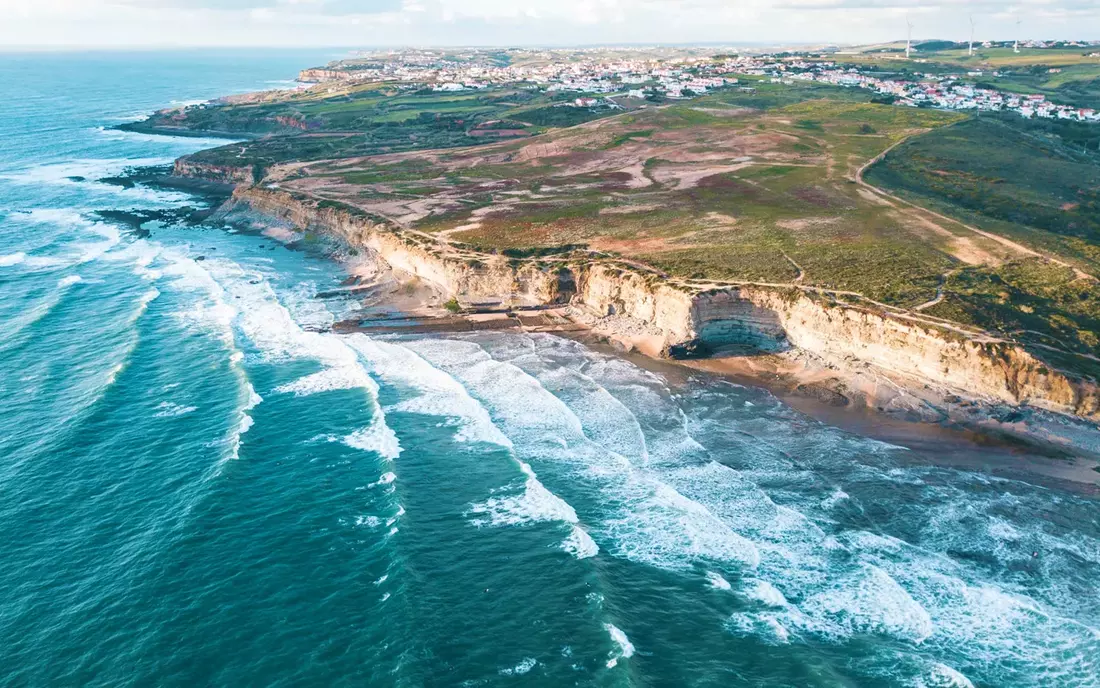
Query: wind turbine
column 970, row 50
column 908, row 36
column 1016, row 45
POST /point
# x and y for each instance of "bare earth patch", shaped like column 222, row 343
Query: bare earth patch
column 628, row 209
column 803, row 223
column 962, row 248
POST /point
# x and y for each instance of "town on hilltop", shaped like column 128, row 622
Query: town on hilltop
column 604, row 76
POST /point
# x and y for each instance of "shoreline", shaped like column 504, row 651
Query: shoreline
column 840, row 390
column 948, row 445
column 945, row 443
column 952, row 446
column 830, row 351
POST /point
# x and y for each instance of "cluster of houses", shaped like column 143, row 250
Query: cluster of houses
column 629, row 78
column 681, row 77
column 949, row 93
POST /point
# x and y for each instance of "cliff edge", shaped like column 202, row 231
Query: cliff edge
column 943, row 367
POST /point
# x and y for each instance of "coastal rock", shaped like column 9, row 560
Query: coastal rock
column 913, row 354
column 222, row 174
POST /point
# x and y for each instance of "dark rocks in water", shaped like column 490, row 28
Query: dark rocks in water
column 161, row 177
column 77, row 178
column 1014, row 416
column 123, row 181
column 135, row 218
column 695, row 348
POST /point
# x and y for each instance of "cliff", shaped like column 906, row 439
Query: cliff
column 914, row 353
column 484, row 278
column 224, row 174
column 318, row 74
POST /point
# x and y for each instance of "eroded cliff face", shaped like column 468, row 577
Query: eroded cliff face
column 487, row 278
column 320, row 74
column 914, row 353
column 223, row 174
column 922, row 352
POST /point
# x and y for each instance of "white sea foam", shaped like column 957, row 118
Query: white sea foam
column 168, row 409
column 870, row 601
column 845, row 584
column 269, row 326
column 625, row 649
column 112, row 374
column 326, row 380
column 73, row 250
column 580, row 544
column 649, row 520
column 87, row 168
column 368, row 521
column 527, row 664
column 382, row 579
column 942, row 676
column 376, row 437
column 87, row 172
column 385, row 479
column 717, row 581
column 765, row 592
column 90, row 251
column 244, row 420
column 12, row 259
column 763, row 625
column 535, row 503
column 677, row 506
column 142, row 137
column 69, row 281
column 439, row 394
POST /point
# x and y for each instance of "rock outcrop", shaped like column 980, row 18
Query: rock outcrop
column 223, row 174
column 912, row 351
column 317, row 74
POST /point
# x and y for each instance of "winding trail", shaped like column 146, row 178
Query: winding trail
column 915, row 209
column 801, row 271
column 940, row 293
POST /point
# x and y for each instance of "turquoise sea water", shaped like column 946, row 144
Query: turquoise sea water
column 200, row 486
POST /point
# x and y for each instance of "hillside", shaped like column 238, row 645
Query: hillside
column 985, row 227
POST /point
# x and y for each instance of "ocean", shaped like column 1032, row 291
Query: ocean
column 200, row 484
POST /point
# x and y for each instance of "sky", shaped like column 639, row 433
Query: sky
column 376, row 23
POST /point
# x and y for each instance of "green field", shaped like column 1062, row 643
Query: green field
column 1037, row 183
column 1042, row 176
column 759, row 182
column 339, row 122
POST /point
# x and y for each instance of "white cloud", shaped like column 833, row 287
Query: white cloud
column 113, row 23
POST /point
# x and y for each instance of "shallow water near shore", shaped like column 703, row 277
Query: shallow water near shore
column 201, row 485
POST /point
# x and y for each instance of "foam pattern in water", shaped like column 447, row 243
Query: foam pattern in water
column 970, row 572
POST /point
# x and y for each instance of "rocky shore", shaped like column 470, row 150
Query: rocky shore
column 806, row 342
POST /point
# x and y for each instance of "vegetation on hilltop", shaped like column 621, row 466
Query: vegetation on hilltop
column 362, row 120
column 1064, row 75
column 761, row 182
column 1041, row 176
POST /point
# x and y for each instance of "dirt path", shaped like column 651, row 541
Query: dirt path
column 801, row 272
column 931, row 302
column 917, row 211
